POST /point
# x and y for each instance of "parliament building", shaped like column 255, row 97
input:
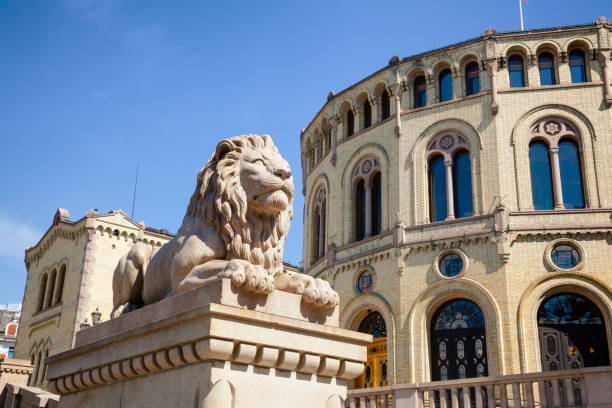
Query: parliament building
column 460, row 202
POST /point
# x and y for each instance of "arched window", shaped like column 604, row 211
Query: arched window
column 50, row 289
column 366, row 182
column 60, row 284
column 577, row 66
column 420, row 92
column 571, row 179
column 385, row 104
column 375, row 372
column 350, row 123
column 541, row 182
column 449, row 177
column 44, row 367
column 37, row 371
column 547, row 69
column 446, row 85
column 458, row 341
column 515, row 68
column 31, row 378
column 367, row 114
column 572, row 333
column 554, row 158
column 437, row 189
column 472, row 78
column 376, row 205
column 41, row 293
column 318, row 221
column 462, row 184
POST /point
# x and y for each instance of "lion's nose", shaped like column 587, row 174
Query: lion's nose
column 282, row 173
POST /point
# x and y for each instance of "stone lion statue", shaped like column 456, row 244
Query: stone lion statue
column 235, row 227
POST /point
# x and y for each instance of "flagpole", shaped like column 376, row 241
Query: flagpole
column 521, row 9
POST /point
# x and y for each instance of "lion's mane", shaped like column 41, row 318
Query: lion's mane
column 220, row 200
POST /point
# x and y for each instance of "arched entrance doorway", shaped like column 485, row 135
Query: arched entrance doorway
column 375, row 372
column 458, row 341
column 572, row 333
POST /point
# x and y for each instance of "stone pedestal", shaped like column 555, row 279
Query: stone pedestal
column 214, row 346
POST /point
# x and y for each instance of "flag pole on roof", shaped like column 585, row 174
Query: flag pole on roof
column 521, row 10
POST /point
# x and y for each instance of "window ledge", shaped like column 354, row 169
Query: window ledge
column 556, row 86
column 41, row 312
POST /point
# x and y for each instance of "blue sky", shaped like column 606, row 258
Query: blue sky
column 91, row 88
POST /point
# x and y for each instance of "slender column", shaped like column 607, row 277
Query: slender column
column 334, row 139
column 321, row 231
column 368, row 210
column 397, row 95
column 604, row 63
column 556, row 176
column 450, row 205
column 492, row 71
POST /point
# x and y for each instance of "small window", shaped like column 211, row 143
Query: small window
column 11, row 352
column 350, row 123
column 385, row 104
column 577, row 67
column 547, row 69
column 446, row 85
column 364, row 283
column 565, row 256
column 420, row 92
column 515, row 67
column 472, row 79
column 367, row 114
column 451, row 265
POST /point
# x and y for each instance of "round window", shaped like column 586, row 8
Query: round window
column 451, row 265
column 565, row 256
column 364, row 283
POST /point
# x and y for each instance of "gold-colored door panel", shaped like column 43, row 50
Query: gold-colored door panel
column 375, row 372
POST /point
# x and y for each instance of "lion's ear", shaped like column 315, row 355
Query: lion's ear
column 224, row 147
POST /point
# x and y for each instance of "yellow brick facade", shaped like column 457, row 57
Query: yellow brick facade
column 506, row 242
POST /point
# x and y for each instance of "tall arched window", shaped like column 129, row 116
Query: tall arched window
column 547, row 68
column 541, row 182
column 554, row 158
column 437, row 189
column 50, row 289
column 44, row 367
column 446, row 85
column 571, row 179
column 462, row 184
column 60, row 284
column 449, row 177
column 41, row 293
column 458, row 341
column 472, row 78
column 350, row 123
column 572, row 333
column 515, row 68
column 367, row 114
column 577, row 66
column 37, row 371
column 31, row 378
column 376, row 205
column 318, row 221
column 385, row 104
column 366, row 182
column 420, row 92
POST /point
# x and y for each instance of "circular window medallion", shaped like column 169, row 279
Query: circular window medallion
column 450, row 264
column 364, row 282
column 565, row 255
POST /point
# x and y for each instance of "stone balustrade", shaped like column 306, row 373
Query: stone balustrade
column 21, row 396
column 588, row 387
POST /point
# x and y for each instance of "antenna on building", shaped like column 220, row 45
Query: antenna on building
column 135, row 185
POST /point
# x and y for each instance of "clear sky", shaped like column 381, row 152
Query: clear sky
column 91, row 88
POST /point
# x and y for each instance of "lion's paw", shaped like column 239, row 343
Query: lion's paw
column 321, row 294
column 250, row 277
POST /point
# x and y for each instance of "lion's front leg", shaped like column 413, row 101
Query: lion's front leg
column 248, row 276
column 313, row 290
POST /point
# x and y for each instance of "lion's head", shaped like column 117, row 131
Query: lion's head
column 246, row 191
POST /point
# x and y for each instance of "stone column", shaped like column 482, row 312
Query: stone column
column 556, row 176
column 321, row 248
column 430, row 86
column 492, row 71
column 450, row 205
column 334, row 139
column 368, row 209
column 604, row 63
column 532, row 73
column 397, row 95
column 564, row 69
